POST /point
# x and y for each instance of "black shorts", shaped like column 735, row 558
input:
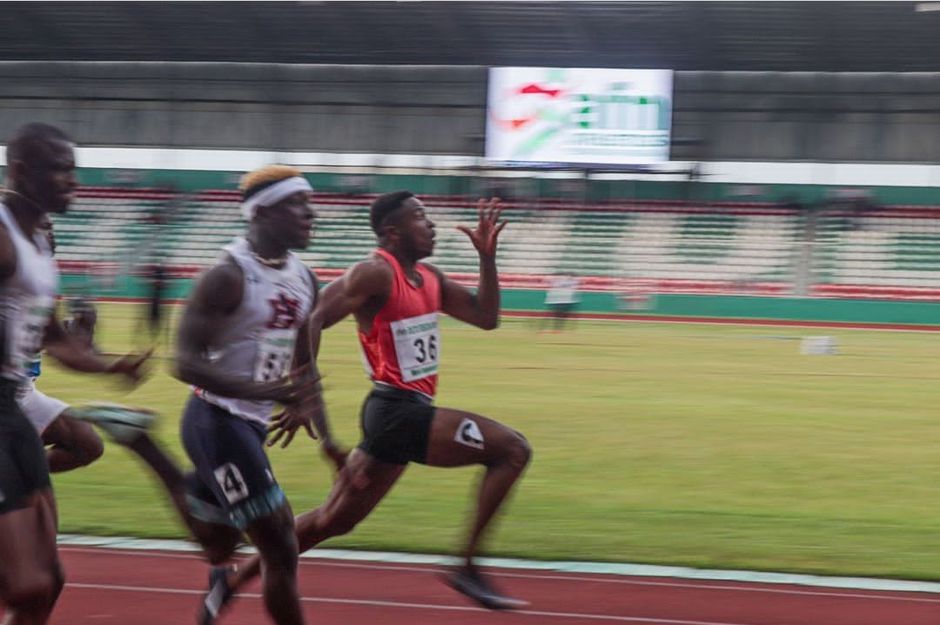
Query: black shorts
column 23, row 466
column 561, row 309
column 234, row 483
column 396, row 425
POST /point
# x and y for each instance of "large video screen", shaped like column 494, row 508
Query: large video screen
column 571, row 115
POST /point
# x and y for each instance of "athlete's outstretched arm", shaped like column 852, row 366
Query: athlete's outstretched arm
column 76, row 354
column 480, row 309
column 216, row 296
column 365, row 285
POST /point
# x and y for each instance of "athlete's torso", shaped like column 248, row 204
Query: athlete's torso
column 258, row 339
column 403, row 346
column 27, row 300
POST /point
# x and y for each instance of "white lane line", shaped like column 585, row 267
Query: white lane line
column 412, row 606
column 569, row 568
column 835, row 593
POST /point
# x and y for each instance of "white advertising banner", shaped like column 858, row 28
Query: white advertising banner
column 557, row 115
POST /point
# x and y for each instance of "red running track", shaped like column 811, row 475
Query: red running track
column 107, row 586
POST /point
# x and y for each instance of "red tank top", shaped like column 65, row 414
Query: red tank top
column 404, row 345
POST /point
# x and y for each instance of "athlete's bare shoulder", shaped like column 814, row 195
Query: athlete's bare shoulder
column 220, row 287
column 7, row 254
column 372, row 277
column 442, row 279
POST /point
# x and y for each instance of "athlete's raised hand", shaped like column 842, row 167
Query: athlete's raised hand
column 488, row 227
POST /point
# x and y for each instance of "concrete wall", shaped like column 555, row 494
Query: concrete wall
column 808, row 116
column 277, row 107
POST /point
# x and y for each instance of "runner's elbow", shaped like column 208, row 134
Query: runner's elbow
column 183, row 370
column 92, row 449
column 490, row 323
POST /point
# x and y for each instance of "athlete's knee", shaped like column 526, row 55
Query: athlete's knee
column 36, row 590
column 518, row 451
column 80, row 439
column 276, row 541
column 90, row 450
column 280, row 555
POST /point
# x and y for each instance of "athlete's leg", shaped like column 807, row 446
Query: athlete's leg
column 274, row 537
column 358, row 488
column 31, row 576
column 461, row 438
column 217, row 538
column 127, row 427
column 229, row 456
column 456, row 438
column 73, row 443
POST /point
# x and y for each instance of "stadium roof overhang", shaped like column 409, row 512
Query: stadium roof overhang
column 754, row 36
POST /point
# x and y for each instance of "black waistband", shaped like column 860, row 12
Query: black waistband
column 391, row 392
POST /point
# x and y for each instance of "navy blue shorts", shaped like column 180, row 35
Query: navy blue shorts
column 23, row 466
column 233, row 483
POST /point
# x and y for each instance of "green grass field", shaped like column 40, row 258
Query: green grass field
column 709, row 446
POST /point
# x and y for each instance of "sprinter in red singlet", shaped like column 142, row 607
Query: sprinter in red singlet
column 396, row 299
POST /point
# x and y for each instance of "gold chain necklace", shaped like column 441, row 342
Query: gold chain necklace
column 269, row 262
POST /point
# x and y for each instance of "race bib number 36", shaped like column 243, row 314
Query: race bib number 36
column 417, row 346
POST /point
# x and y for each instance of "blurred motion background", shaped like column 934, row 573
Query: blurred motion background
column 786, row 170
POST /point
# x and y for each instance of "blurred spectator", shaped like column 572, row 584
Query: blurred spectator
column 153, row 318
column 83, row 321
column 561, row 300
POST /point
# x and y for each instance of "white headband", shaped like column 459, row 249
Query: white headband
column 274, row 194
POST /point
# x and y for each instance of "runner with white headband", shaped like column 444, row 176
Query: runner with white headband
column 271, row 193
column 235, row 346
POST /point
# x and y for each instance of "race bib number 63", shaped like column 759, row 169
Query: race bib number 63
column 417, row 346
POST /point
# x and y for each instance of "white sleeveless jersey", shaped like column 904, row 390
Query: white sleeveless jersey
column 27, row 300
column 258, row 340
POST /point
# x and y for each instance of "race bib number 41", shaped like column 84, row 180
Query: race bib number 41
column 417, row 346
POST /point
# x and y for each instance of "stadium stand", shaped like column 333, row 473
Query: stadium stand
column 666, row 248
